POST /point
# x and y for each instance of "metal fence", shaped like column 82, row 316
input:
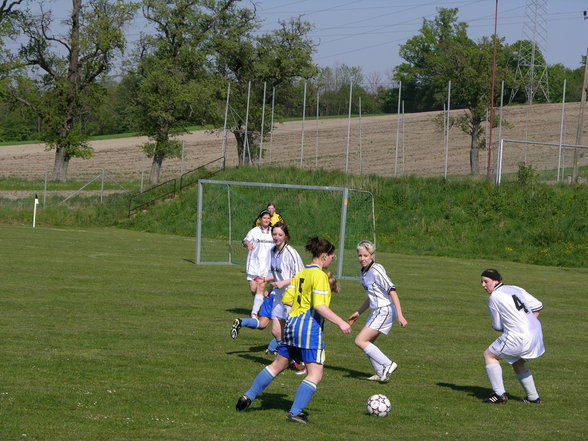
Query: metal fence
column 387, row 145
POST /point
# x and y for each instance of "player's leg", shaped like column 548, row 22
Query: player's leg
column 382, row 365
column 525, row 377
column 251, row 323
column 256, row 286
column 314, row 365
column 494, row 372
column 261, row 381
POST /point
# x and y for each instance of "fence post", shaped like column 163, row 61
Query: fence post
column 45, row 187
column 102, row 186
column 348, row 127
column 302, row 127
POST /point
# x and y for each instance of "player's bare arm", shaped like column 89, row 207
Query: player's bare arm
column 401, row 320
column 353, row 317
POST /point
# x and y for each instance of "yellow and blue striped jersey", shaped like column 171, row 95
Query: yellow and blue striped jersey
column 304, row 327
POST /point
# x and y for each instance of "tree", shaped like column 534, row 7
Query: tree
column 280, row 59
column 333, row 85
column 173, row 81
column 65, row 69
column 442, row 52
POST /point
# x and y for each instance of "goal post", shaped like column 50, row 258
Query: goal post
column 227, row 209
column 548, row 155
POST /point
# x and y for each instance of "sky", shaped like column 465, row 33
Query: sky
column 369, row 33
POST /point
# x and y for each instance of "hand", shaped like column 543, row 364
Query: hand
column 402, row 321
column 353, row 317
column 280, row 284
column 345, row 328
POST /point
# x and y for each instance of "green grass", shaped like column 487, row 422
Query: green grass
column 461, row 217
column 108, row 334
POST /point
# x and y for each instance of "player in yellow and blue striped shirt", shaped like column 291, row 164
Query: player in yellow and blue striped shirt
column 310, row 297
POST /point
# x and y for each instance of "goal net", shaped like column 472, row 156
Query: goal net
column 227, row 210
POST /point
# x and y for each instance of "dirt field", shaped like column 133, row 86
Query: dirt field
column 372, row 147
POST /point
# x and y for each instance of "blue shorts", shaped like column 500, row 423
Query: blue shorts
column 300, row 355
column 266, row 307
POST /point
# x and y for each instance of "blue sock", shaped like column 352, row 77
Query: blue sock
column 263, row 380
column 252, row 323
column 273, row 345
column 303, row 395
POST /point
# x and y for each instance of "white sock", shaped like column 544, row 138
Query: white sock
column 378, row 368
column 494, row 372
column 528, row 384
column 257, row 301
column 378, row 356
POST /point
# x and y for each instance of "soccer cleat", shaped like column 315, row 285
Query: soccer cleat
column 235, row 328
column 537, row 401
column 387, row 372
column 293, row 366
column 254, row 315
column 374, row 377
column 300, row 418
column 494, row 398
column 301, row 370
column 243, row 403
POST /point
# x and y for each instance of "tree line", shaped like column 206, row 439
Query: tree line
column 63, row 83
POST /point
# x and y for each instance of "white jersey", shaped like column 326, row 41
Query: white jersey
column 511, row 311
column 285, row 264
column 377, row 285
column 258, row 259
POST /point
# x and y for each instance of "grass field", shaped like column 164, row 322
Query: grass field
column 109, row 334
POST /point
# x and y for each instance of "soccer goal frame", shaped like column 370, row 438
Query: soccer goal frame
column 343, row 224
column 520, row 141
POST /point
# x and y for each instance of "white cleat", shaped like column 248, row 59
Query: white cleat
column 387, row 372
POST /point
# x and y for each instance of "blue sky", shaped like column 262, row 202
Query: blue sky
column 368, row 33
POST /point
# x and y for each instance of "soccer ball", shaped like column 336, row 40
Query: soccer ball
column 378, row 405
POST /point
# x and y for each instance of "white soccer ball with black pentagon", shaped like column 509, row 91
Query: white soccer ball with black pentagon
column 378, row 405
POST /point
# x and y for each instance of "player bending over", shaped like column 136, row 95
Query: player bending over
column 513, row 312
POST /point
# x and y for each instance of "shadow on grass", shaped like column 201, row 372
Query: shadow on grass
column 349, row 373
column 475, row 391
column 241, row 312
column 274, row 401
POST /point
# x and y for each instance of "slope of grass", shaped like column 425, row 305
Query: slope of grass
column 461, row 217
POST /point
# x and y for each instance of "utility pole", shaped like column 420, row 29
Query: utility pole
column 580, row 117
column 581, row 113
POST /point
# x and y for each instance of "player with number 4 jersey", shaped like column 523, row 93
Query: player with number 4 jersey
column 514, row 312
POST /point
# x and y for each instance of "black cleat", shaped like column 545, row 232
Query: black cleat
column 243, row 403
column 537, row 401
column 494, row 398
column 235, row 328
column 300, row 418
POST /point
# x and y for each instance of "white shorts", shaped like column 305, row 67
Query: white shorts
column 382, row 319
column 512, row 348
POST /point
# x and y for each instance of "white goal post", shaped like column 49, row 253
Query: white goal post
column 499, row 162
column 226, row 210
